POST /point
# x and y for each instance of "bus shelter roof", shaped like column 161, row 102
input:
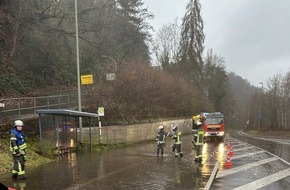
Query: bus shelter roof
column 66, row 112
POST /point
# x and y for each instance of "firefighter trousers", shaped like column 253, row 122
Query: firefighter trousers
column 19, row 165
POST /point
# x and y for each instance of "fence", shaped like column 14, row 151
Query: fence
column 25, row 108
column 18, row 108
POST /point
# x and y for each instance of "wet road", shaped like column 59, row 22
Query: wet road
column 257, row 163
column 133, row 167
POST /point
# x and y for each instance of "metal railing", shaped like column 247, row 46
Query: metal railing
column 17, row 108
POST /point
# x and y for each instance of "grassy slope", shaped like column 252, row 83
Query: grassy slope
column 6, row 162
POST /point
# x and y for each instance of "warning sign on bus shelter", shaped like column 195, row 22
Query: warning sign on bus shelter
column 87, row 79
column 101, row 111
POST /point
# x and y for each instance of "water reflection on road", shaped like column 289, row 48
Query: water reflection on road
column 133, row 167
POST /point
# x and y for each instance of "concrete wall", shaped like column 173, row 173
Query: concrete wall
column 135, row 133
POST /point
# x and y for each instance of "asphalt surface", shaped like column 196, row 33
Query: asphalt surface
column 254, row 163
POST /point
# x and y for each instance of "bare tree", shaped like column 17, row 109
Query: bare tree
column 272, row 103
column 166, row 45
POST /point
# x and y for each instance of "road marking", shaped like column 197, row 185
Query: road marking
column 240, row 149
column 244, row 167
column 271, row 139
column 249, row 154
column 244, row 134
column 265, row 181
column 242, row 145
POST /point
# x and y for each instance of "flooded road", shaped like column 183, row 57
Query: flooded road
column 133, row 167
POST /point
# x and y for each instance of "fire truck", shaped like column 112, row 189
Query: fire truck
column 213, row 125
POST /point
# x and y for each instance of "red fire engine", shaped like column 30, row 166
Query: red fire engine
column 213, row 125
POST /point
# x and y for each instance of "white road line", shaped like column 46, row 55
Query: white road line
column 235, row 146
column 265, row 181
column 244, row 167
column 246, row 155
column 271, row 139
column 240, row 149
column 267, row 152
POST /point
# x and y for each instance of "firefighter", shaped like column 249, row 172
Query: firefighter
column 198, row 140
column 194, row 123
column 177, row 142
column 18, row 150
column 160, row 139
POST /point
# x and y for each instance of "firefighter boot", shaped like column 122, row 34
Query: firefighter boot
column 14, row 176
column 176, row 153
column 181, row 154
column 23, row 176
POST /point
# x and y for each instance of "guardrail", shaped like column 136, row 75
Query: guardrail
column 17, row 108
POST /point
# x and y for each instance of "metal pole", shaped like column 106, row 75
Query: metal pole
column 78, row 72
column 40, row 135
column 260, row 109
column 90, row 133
column 100, row 130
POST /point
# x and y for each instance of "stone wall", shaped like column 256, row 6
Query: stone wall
column 135, row 133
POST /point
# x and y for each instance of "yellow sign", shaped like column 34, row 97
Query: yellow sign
column 87, row 79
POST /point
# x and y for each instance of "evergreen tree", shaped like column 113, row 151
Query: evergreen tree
column 192, row 42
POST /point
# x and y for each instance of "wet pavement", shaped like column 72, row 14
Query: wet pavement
column 133, row 167
column 257, row 163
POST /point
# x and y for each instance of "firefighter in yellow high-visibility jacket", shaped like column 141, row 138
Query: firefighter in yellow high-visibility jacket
column 177, row 142
column 198, row 141
column 195, row 119
column 18, row 150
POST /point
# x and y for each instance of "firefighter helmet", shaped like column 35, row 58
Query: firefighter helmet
column 18, row 123
column 174, row 128
column 160, row 127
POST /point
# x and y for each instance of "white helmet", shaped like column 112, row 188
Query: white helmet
column 18, row 123
column 160, row 127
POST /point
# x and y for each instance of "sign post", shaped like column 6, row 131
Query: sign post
column 101, row 113
column 2, row 105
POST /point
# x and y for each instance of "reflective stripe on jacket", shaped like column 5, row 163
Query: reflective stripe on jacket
column 177, row 137
column 199, row 137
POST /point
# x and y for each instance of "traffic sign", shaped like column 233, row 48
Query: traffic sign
column 101, row 111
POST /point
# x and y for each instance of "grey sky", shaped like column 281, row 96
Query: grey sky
column 252, row 35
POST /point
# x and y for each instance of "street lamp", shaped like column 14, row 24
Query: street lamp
column 78, row 72
column 260, row 110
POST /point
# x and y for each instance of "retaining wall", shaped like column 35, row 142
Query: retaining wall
column 135, row 133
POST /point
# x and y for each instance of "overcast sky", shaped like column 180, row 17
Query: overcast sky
column 252, row 35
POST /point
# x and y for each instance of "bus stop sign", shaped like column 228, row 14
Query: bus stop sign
column 101, row 111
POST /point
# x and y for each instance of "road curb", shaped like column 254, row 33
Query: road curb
column 212, row 176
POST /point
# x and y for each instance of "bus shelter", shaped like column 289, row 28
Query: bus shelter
column 58, row 128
